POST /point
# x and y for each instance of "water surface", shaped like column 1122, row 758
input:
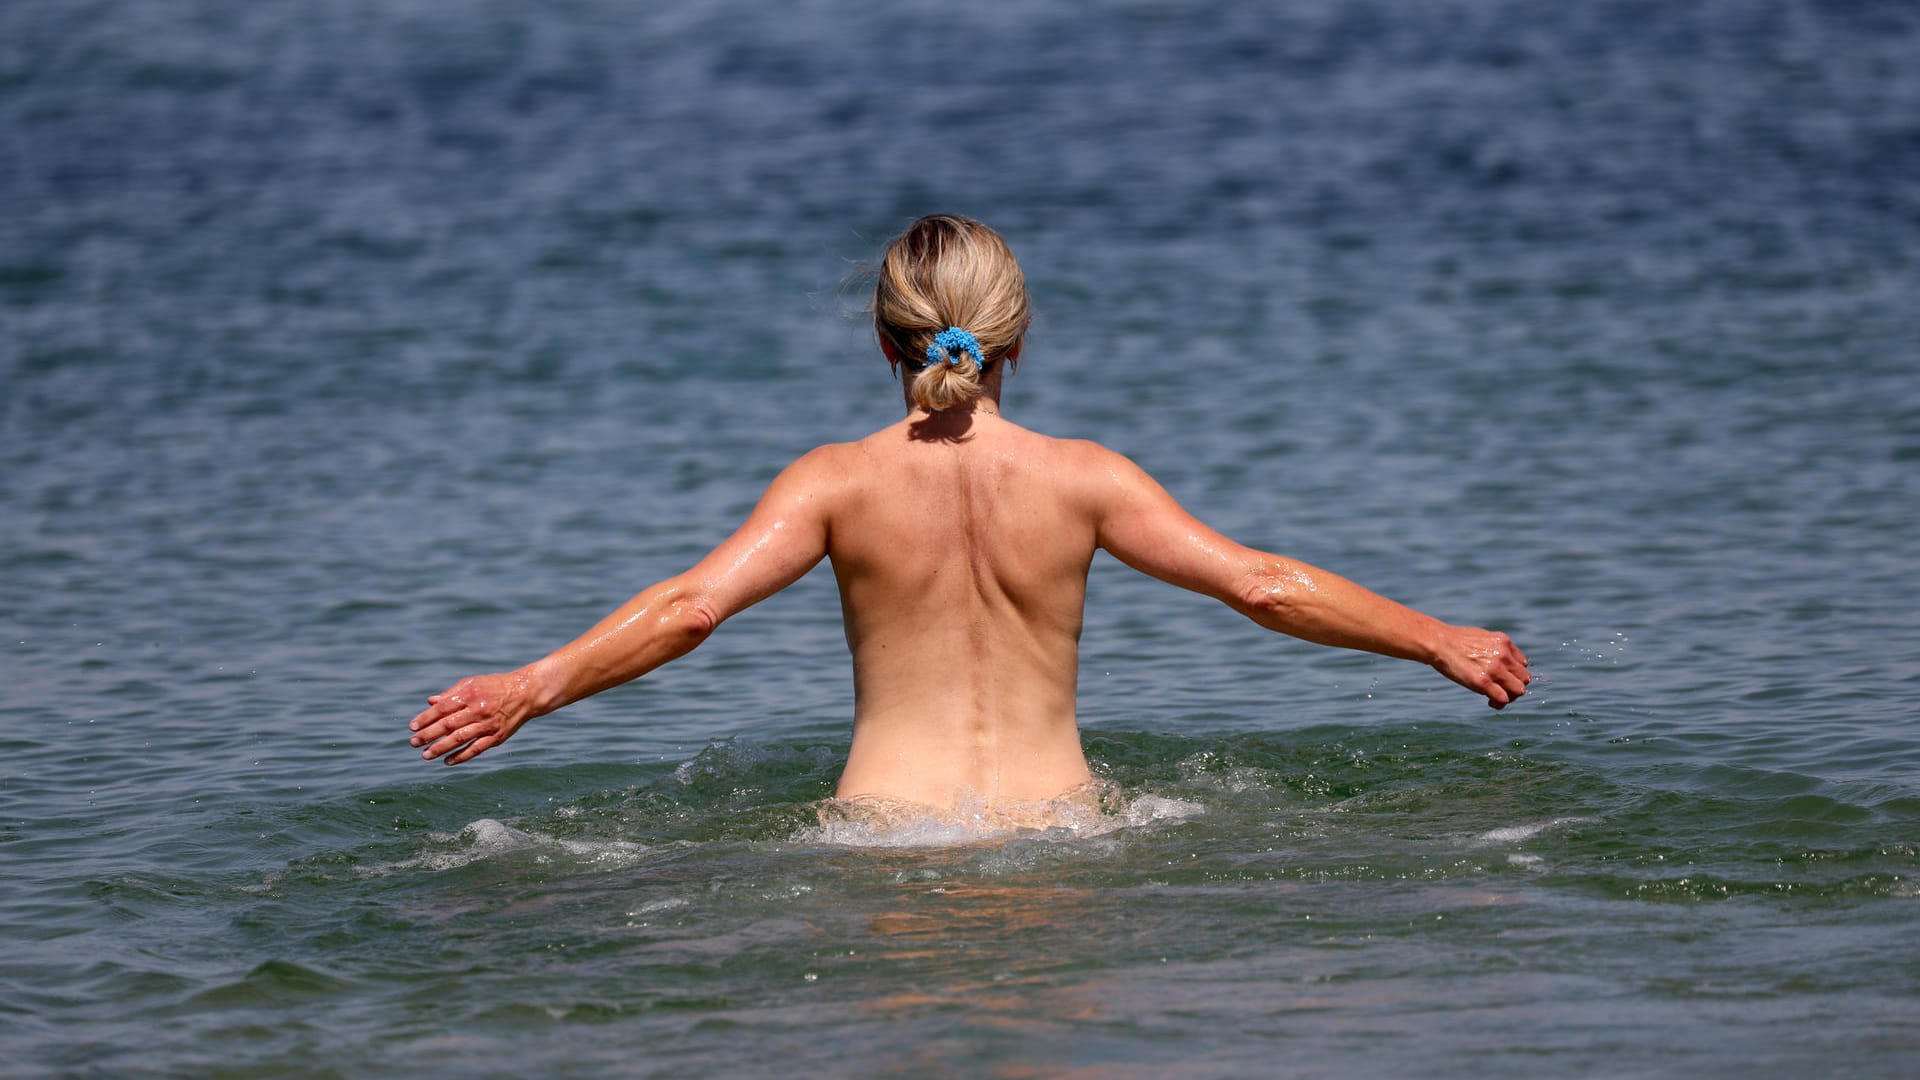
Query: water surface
column 349, row 347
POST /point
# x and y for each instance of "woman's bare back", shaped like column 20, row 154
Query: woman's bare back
column 961, row 548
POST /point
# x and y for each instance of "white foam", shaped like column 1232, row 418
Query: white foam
column 972, row 825
column 1513, row 834
column 487, row 838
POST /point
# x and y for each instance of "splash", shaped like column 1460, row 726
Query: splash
column 1514, row 834
column 487, row 838
column 1080, row 814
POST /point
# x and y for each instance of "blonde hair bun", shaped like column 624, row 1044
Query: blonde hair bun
column 949, row 278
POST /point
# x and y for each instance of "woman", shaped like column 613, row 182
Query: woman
column 961, row 543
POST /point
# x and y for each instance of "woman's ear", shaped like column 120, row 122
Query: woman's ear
column 892, row 354
column 1013, row 351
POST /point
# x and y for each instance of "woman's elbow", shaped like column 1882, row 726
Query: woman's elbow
column 1270, row 599
column 690, row 622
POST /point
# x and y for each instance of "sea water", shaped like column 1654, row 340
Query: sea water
column 348, row 347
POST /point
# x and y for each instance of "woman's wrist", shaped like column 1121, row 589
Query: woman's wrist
column 544, row 684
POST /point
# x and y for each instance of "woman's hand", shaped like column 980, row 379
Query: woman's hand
column 1486, row 662
column 473, row 716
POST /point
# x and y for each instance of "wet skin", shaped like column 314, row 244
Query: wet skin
column 960, row 542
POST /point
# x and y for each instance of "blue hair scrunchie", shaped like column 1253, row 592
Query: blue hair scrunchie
column 950, row 344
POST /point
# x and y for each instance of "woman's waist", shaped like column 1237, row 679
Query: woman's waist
column 974, row 815
column 944, row 764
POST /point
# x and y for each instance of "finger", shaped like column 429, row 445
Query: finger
column 443, row 746
column 474, row 749
column 438, row 705
column 1497, row 695
column 457, row 737
column 441, row 727
column 1512, row 683
column 444, row 742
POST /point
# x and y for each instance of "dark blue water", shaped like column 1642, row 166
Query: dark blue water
column 347, row 348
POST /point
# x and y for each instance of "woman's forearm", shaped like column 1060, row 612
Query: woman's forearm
column 1317, row 605
column 659, row 624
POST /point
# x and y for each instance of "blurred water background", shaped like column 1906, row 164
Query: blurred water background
column 350, row 346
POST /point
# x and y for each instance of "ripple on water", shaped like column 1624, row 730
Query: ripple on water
column 345, row 353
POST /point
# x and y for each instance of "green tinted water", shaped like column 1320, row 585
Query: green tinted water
column 349, row 347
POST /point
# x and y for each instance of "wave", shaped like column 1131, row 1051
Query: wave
column 1398, row 802
column 1514, row 834
column 488, row 838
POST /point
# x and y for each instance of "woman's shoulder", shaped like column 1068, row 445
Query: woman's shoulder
column 1083, row 453
column 828, row 459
